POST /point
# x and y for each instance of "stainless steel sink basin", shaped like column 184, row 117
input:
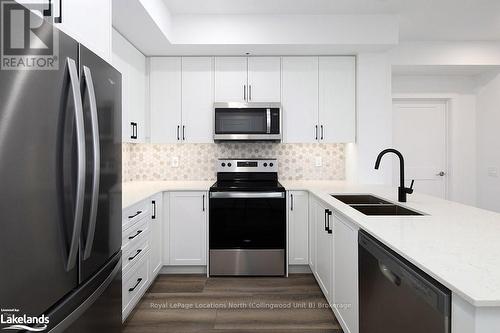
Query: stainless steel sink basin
column 374, row 206
column 360, row 199
column 385, row 210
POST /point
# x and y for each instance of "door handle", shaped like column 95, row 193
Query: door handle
column 136, row 234
column 87, row 75
column 135, row 255
column 80, row 183
column 135, row 286
column 329, row 213
column 441, row 174
column 154, row 209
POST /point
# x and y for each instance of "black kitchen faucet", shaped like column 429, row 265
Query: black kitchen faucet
column 402, row 190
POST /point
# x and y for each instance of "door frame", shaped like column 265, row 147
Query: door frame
column 448, row 100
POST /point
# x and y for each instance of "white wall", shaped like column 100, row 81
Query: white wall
column 458, row 91
column 488, row 145
column 374, row 121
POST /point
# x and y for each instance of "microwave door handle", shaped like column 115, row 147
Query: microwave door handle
column 268, row 121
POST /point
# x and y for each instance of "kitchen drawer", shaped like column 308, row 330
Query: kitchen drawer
column 134, row 253
column 134, row 284
column 134, row 233
column 136, row 213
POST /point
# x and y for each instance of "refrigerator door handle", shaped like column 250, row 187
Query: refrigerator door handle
column 80, row 184
column 97, row 162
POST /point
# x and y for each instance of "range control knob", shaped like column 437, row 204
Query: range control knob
column 223, row 164
column 229, row 164
column 271, row 164
column 265, row 164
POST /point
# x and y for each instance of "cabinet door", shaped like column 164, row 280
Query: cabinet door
column 197, row 99
column 300, row 99
column 324, row 253
column 337, row 99
column 120, row 62
column 165, row 99
column 264, row 79
column 298, row 228
column 187, row 215
column 155, row 234
column 346, row 273
column 312, row 233
column 231, row 79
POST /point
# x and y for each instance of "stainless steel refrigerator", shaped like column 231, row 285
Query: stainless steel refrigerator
column 60, row 201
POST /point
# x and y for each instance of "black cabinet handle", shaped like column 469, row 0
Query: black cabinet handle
column 328, row 217
column 135, row 286
column 316, row 130
column 137, row 234
column 154, row 209
column 183, row 133
column 291, row 201
column 58, row 19
column 132, row 216
column 178, row 135
column 321, row 132
column 135, row 255
column 134, row 130
column 203, row 202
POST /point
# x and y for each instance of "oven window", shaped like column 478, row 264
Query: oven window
column 240, row 121
column 242, row 223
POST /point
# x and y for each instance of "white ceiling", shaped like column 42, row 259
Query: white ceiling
column 420, row 20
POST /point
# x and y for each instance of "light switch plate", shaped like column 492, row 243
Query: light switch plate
column 318, row 161
column 175, row 162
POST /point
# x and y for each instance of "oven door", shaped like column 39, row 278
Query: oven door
column 247, row 233
column 247, row 123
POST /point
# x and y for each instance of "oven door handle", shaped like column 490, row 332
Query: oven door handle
column 250, row 195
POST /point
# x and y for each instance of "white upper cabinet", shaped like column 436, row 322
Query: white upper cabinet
column 264, row 79
column 165, row 99
column 300, row 99
column 188, row 228
column 197, row 99
column 298, row 233
column 132, row 65
column 337, row 99
column 231, row 79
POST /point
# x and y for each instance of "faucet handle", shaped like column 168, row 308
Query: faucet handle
column 410, row 189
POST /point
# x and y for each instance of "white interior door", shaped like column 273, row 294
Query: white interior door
column 419, row 132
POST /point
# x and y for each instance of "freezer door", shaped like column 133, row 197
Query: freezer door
column 40, row 151
column 101, row 95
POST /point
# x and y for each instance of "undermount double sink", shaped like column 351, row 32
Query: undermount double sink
column 374, row 206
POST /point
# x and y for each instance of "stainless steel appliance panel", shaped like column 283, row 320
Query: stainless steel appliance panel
column 247, row 262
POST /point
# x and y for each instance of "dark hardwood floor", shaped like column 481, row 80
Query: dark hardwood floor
column 193, row 303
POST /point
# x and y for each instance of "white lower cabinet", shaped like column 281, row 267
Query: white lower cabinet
column 155, row 234
column 187, row 228
column 323, row 270
column 135, row 282
column 298, row 233
column 345, row 236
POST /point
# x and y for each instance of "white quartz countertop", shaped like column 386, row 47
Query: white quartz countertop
column 458, row 245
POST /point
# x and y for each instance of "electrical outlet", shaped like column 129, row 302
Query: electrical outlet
column 319, row 161
column 493, row 172
column 175, row 162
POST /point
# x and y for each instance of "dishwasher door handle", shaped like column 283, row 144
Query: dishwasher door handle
column 396, row 280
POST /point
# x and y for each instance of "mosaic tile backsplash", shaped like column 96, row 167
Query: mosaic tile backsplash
column 143, row 162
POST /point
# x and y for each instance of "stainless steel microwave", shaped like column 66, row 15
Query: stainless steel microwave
column 247, row 122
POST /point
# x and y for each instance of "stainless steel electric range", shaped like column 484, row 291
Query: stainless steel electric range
column 247, row 219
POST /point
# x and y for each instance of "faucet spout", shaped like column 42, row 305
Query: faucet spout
column 402, row 189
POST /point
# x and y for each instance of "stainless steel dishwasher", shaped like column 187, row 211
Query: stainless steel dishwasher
column 395, row 296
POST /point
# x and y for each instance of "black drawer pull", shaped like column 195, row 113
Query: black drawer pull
column 132, row 216
column 326, row 219
column 137, row 234
column 135, row 255
column 329, row 227
column 137, row 283
column 154, row 209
